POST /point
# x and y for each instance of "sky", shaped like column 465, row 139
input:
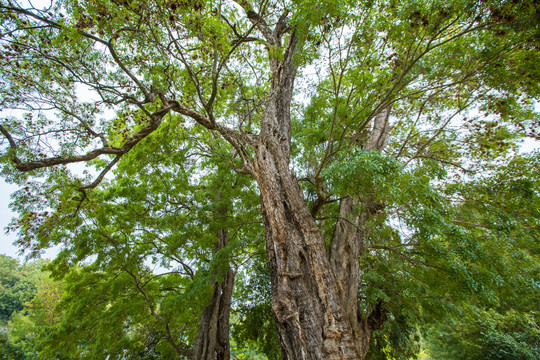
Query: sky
column 6, row 246
column 6, row 240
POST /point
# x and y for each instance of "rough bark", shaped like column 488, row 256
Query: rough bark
column 305, row 300
column 345, row 249
column 347, row 245
column 212, row 342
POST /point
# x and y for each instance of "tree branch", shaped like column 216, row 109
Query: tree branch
column 258, row 21
column 151, row 306
column 404, row 257
column 50, row 22
column 155, row 121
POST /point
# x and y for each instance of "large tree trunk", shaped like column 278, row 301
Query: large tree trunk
column 212, row 342
column 305, row 301
column 314, row 299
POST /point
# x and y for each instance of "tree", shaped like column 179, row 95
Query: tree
column 18, row 285
column 182, row 308
column 487, row 335
column 29, row 329
column 365, row 147
column 503, row 209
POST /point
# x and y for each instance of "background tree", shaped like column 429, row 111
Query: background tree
column 486, row 335
column 27, row 297
column 502, row 210
column 356, row 166
column 30, row 329
column 18, row 285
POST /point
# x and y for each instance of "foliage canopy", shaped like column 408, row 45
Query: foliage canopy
column 373, row 144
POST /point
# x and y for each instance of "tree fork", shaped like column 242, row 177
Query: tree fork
column 305, row 300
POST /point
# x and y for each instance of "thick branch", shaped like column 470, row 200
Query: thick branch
column 106, row 150
column 101, row 176
column 258, row 21
column 12, row 144
column 147, row 96
column 237, row 139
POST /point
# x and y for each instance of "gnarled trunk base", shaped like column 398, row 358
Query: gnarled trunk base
column 305, row 300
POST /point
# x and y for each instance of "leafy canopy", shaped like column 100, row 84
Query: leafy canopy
column 159, row 98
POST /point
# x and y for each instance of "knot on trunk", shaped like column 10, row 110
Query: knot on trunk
column 373, row 207
column 378, row 316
